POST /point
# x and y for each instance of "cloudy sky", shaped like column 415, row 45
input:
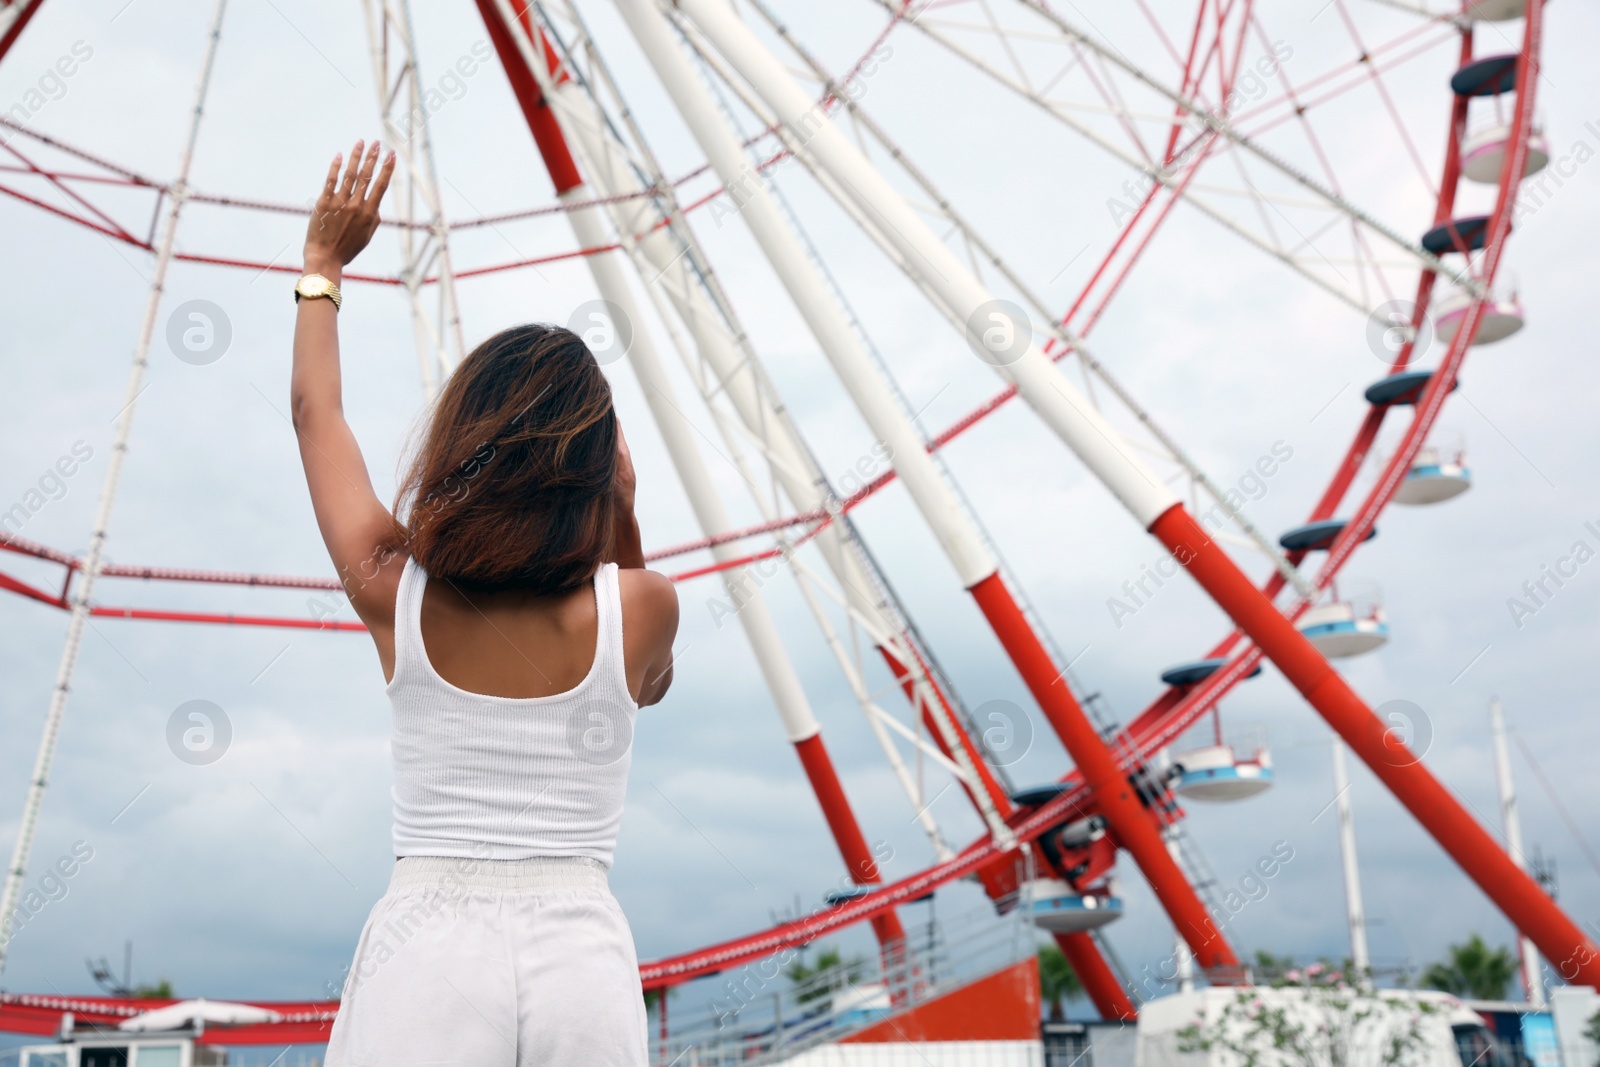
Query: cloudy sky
column 250, row 876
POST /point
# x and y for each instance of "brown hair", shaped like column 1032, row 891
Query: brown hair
column 513, row 485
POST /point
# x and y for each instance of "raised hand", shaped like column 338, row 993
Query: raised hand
column 346, row 214
column 626, row 479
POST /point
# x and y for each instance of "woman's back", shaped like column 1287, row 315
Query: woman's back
column 533, row 759
column 517, row 644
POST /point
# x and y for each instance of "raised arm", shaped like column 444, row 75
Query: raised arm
column 355, row 525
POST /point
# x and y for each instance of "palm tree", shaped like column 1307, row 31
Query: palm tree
column 847, row 972
column 1057, row 981
column 1473, row 970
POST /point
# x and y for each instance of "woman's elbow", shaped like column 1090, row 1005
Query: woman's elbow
column 306, row 407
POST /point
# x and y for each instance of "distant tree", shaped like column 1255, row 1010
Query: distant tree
column 840, row 971
column 1269, row 968
column 1472, row 969
column 162, row 990
column 1592, row 1032
column 1057, row 981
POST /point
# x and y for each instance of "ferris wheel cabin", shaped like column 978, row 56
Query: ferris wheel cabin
column 1337, row 630
column 1436, row 473
column 1399, row 389
column 1466, row 234
column 1483, row 152
column 1218, row 773
column 1499, row 319
column 1215, row 772
column 1080, row 849
column 1317, row 536
column 1435, row 476
column 1197, row 671
column 1495, row 10
column 1055, row 906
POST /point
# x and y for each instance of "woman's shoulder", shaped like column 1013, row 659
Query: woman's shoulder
column 648, row 597
column 647, row 588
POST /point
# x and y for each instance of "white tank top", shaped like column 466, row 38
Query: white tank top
column 506, row 778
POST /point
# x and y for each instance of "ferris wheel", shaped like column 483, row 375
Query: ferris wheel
column 1208, row 112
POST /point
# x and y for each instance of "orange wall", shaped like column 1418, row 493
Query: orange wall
column 1002, row 1007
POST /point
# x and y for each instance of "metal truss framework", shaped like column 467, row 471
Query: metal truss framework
column 424, row 249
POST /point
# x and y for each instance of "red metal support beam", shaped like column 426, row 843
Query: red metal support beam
column 1095, row 975
column 18, row 12
column 862, row 865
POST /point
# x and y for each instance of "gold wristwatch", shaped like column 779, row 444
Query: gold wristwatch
column 313, row 286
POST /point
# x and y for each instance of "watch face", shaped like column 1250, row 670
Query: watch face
column 314, row 286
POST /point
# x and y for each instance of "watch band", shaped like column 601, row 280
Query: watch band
column 316, row 286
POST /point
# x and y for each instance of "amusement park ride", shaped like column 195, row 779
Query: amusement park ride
column 1052, row 848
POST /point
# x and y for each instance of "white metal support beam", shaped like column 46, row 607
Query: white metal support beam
column 1511, row 823
column 1355, row 911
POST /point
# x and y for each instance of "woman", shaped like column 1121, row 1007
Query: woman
column 519, row 633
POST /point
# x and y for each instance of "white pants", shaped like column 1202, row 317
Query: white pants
column 493, row 963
